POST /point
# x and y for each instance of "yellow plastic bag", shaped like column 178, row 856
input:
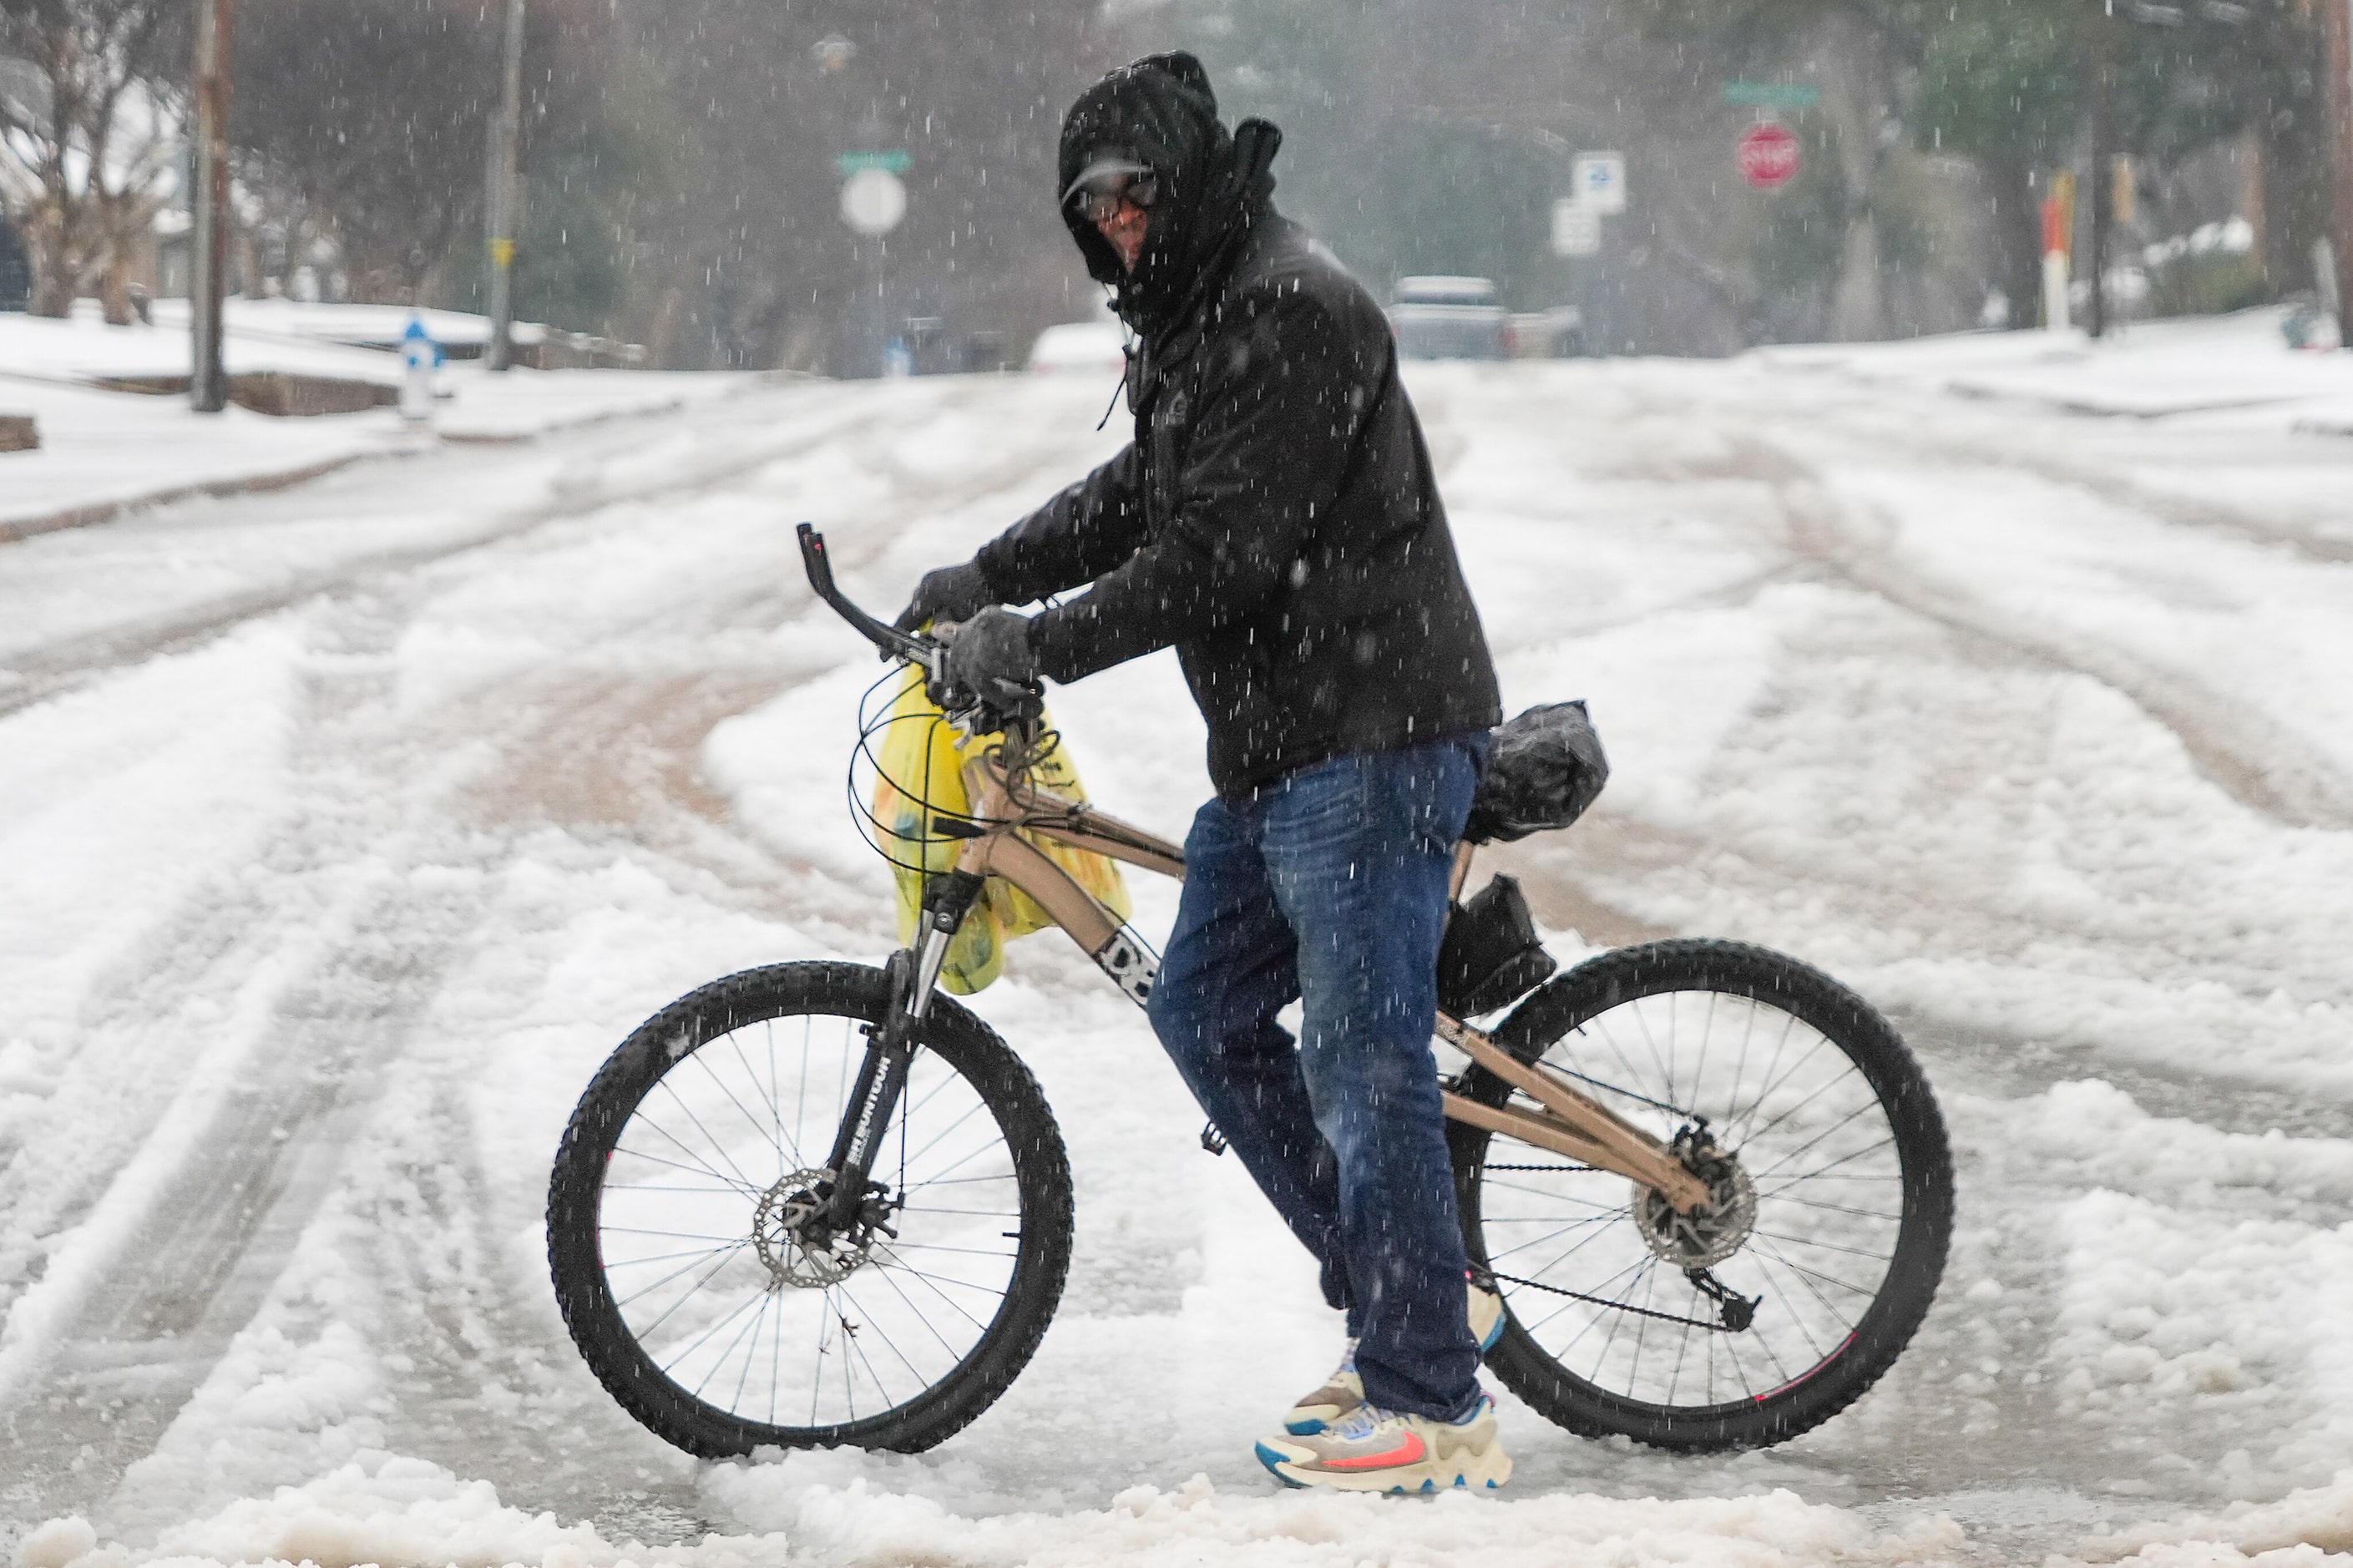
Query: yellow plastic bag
column 922, row 760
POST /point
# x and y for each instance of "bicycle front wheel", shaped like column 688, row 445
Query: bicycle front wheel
column 1777, row 1307
column 679, row 1228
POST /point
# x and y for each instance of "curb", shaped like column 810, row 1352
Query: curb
column 524, row 438
column 15, row 530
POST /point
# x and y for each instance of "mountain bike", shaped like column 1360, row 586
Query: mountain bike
column 824, row 1204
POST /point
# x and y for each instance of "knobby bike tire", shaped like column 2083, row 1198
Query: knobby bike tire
column 1705, row 969
column 668, row 1039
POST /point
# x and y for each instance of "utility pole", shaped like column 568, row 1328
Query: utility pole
column 2102, row 52
column 208, row 238
column 506, row 137
column 2337, row 25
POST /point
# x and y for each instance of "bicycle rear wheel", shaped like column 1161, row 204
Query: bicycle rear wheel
column 678, row 1216
column 1822, row 1257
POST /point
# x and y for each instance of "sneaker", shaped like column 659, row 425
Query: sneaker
column 1376, row 1451
column 1343, row 1390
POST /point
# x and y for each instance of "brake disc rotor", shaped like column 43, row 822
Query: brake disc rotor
column 1708, row 1235
column 780, row 1234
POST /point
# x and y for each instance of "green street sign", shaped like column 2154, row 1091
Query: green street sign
column 896, row 162
column 1771, row 94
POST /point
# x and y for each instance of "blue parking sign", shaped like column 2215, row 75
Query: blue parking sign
column 1600, row 179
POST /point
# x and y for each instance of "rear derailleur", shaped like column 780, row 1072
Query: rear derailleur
column 1697, row 1241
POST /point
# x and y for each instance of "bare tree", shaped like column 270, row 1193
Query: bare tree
column 363, row 121
column 86, row 141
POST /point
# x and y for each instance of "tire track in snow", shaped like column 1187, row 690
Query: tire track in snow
column 1623, row 875
column 484, row 1384
column 147, row 1306
column 2263, row 765
column 2259, row 763
column 69, row 665
column 147, row 1287
column 1976, row 1404
column 1973, row 1416
column 143, row 1333
column 607, row 753
column 604, row 750
column 2116, row 487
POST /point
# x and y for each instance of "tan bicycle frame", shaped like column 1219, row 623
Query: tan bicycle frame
column 1567, row 1121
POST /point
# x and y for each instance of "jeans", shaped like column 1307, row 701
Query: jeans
column 1329, row 886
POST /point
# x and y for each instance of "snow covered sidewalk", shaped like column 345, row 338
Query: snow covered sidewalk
column 407, row 1514
column 102, row 451
column 805, row 1512
column 2238, row 365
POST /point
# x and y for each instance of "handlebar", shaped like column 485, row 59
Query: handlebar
column 894, row 642
column 987, row 716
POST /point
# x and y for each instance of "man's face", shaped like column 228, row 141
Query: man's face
column 1121, row 209
column 1124, row 230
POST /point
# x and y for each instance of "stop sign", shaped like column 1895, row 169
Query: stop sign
column 1767, row 154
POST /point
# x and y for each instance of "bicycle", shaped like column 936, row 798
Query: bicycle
column 823, row 1203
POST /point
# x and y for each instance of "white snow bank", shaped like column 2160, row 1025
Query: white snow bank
column 386, row 1511
column 402, row 1512
column 110, row 448
column 2123, row 1148
column 2148, row 370
column 2305, row 1529
column 83, row 347
column 347, row 324
column 2191, row 1264
column 858, row 1525
column 256, row 334
column 1080, row 348
column 103, row 449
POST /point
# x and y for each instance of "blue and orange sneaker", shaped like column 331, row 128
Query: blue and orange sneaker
column 1343, row 1390
column 1376, row 1451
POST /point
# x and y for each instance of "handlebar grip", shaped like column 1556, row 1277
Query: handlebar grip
column 814, row 562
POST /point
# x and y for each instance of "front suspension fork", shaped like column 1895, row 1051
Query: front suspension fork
column 914, row 975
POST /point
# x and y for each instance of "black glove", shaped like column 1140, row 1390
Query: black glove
column 990, row 658
column 950, row 594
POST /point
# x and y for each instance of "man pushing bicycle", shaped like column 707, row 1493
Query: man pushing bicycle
column 1275, row 519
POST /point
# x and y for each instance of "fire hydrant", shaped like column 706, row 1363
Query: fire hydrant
column 420, row 357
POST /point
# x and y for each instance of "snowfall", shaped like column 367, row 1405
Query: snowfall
column 348, row 822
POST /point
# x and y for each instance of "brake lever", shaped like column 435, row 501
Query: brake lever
column 972, row 711
column 936, row 671
column 977, row 715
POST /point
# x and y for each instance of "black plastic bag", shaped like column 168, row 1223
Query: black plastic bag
column 1545, row 768
column 1490, row 955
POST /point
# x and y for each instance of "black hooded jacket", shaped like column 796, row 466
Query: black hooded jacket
column 1275, row 517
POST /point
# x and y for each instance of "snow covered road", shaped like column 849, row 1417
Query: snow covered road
column 346, row 830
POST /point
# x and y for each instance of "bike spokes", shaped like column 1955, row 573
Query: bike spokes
column 718, row 1243
column 1771, row 1281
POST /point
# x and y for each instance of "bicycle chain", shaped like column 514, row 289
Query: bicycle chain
column 1717, row 1328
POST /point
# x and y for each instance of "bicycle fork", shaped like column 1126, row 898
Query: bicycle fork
column 914, row 974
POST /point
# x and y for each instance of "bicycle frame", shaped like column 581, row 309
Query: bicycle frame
column 1009, row 809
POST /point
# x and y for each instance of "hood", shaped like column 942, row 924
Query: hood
column 1215, row 188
